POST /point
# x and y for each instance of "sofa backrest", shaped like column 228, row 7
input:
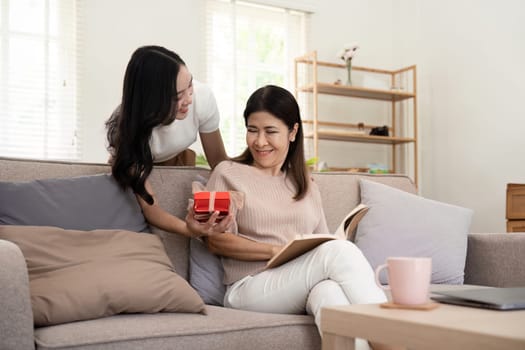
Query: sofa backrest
column 340, row 191
column 172, row 185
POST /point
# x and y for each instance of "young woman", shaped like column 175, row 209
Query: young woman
column 281, row 201
column 162, row 110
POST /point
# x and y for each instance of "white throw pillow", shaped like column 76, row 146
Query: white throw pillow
column 399, row 223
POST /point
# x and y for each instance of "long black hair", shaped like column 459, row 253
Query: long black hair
column 150, row 90
column 282, row 104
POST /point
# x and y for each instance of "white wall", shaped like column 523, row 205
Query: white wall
column 472, row 85
column 469, row 56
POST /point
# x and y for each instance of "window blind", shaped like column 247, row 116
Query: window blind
column 249, row 45
column 38, row 79
column 309, row 6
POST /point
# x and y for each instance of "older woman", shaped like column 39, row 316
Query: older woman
column 281, row 201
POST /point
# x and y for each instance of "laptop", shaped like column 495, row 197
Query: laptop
column 487, row 298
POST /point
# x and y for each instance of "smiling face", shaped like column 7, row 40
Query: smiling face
column 268, row 140
column 184, row 97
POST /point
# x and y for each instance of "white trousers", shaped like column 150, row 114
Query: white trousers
column 334, row 273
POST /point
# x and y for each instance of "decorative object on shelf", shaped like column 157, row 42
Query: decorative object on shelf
column 360, row 129
column 380, row 131
column 311, row 163
column 349, row 72
column 346, row 55
column 323, row 166
column 376, row 168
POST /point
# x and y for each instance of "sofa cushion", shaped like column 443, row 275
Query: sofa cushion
column 79, row 275
column 220, row 329
column 80, row 203
column 403, row 224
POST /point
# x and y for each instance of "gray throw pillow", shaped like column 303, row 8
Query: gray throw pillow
column 78, row 203
column 206, row 274
column 403, row 224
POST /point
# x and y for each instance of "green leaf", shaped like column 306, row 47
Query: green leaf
column 312, row 161
column 201, row 160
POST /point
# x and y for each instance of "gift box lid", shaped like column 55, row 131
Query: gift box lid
column 209, row 202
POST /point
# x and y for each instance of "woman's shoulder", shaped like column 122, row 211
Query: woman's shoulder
column 227, row 173
column 230, row 167
column 205, row 107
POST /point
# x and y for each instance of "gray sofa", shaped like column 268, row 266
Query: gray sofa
column 492, row 260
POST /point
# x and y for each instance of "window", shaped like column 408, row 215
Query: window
column 38, row 69
column 248, row 46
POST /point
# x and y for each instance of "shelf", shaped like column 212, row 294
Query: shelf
column 357, row 91
column 355, row 125
column 353, row 137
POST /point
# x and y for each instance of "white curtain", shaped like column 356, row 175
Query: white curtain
column 38, row 79
column 249, row 45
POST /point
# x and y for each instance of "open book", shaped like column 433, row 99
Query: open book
column 304, row 243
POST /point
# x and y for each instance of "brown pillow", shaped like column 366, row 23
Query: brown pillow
column 80, row 275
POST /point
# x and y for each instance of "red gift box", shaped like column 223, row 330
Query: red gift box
column 205, row 203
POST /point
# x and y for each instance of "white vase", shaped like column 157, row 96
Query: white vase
column 349, row 72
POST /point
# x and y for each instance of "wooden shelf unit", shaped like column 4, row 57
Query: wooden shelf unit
column 515, row 210
column 346, row 132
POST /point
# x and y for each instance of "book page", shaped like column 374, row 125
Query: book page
column 304, row 243
column 298, row 246
column 346, row 229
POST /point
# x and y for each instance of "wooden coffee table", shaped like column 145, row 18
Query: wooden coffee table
column 446, row 327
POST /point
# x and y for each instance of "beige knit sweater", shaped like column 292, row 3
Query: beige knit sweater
column 270, row 214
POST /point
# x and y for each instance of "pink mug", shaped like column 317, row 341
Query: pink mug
column 408, row 279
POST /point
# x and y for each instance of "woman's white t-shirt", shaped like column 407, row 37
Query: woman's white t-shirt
column 203, row 117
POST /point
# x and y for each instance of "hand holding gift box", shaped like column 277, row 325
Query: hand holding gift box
column 235, row 202
column 206, row 203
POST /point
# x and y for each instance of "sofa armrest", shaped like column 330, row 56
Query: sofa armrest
column 495, row 259
column 16, row 316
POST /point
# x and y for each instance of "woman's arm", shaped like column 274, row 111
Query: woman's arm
column 157, row 216
column 213, row 147
column 160, row 218
column 237, row 247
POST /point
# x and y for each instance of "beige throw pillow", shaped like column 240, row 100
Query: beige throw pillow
column 80, row 275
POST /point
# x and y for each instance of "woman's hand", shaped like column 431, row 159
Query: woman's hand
column 210, row 227
column 276, row 249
